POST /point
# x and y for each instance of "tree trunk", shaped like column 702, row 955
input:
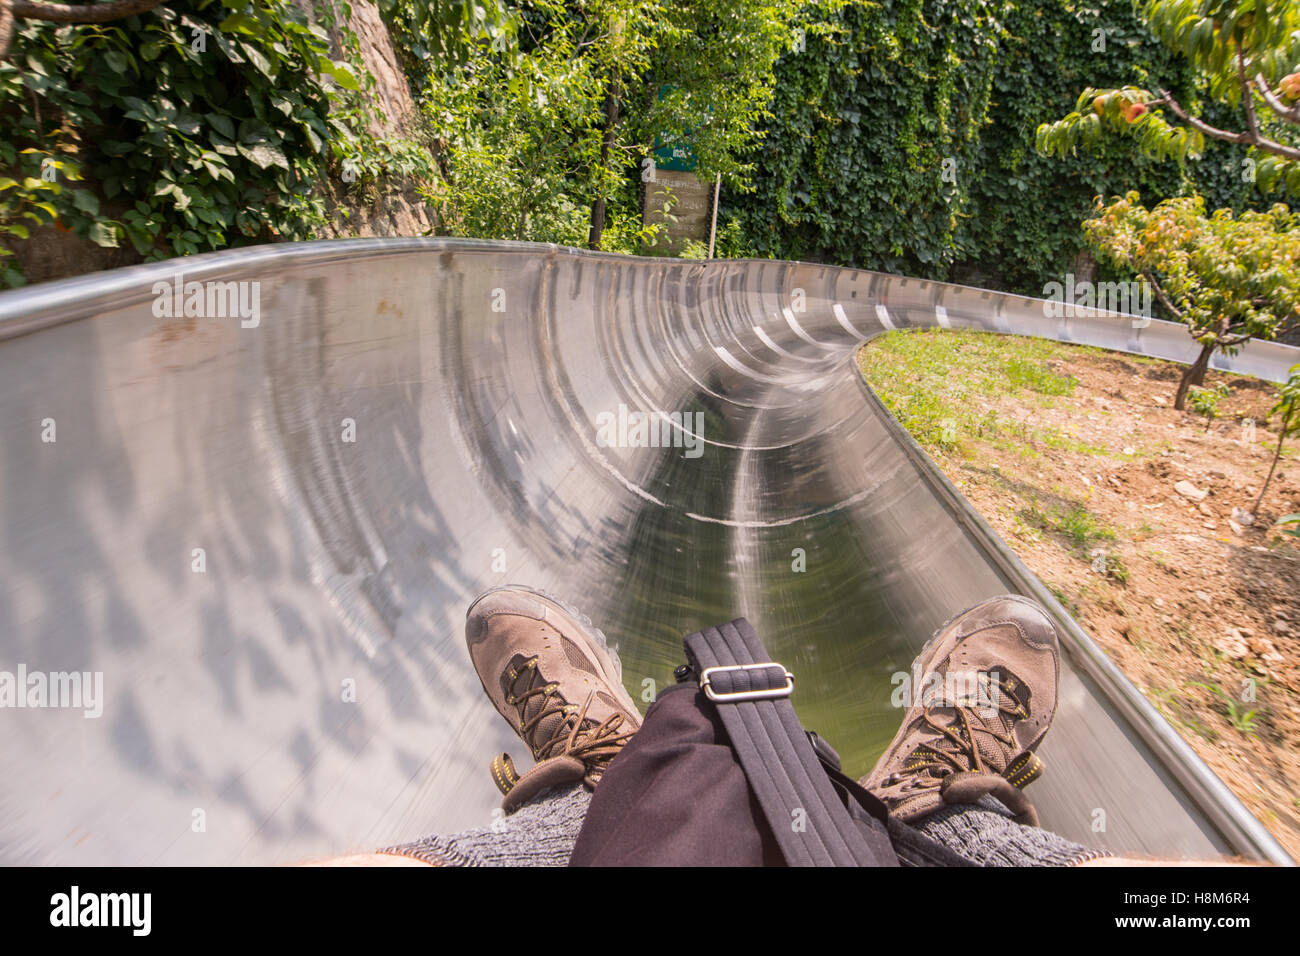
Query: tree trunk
column 6, row 26
column 606, row 147
column 1195, row 375
column 1277, row 455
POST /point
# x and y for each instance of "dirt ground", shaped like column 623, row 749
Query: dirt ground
column 1132, row 513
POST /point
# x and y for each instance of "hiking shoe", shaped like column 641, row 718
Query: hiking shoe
column 549, row 672
column 983, row 696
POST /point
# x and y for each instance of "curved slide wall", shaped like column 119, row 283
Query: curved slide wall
column 264, row 534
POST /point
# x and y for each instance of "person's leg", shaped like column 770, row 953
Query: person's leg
column 987, row 835
column 540, row 833
column 957, row 751
column 550, row 673
column 986, row 684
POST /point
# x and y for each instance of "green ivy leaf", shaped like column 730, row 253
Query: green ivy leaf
column 222, row 124
column 252, row 132
column 86, row 201
column 228, row 48
column 238, row 23
column 256, row 57
column 187, row 123
column 264, row 155
column 104, row 234
column 342, row 75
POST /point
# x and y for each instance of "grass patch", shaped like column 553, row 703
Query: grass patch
column 1172, row 702
column 1075, row 522
column 1024, row 373
column 1117, row 569
column 1243, row 720
column 1064, row 600
column 933, row 381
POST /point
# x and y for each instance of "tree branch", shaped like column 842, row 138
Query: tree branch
column 69, row 13
column 1288, row 113
column 1247, row 98
column 1167, row 99
column 1164, row 299
column 1263, row 142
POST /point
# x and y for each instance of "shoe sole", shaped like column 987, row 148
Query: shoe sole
column 579, row 626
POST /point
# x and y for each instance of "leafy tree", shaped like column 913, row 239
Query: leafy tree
column 191, row 126
column 1228, row 278
column 432, row 34
column 185, row 126
column 531, row 132
column 516, row 139
column 902, row 139
column 701, row 71
column 1246, row 49
column 625, row 33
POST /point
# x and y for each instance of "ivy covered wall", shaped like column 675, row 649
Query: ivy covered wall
column 900, row 135
column 902, row 139
column 197, row 125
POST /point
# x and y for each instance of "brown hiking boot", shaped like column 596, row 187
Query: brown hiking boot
column 983, row 696
column 548, row 671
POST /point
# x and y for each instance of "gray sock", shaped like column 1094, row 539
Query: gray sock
column 543, row 833
column 985, row 834
column 540, row 833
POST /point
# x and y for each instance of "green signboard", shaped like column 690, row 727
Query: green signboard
column 671, row 152
column 678, row 156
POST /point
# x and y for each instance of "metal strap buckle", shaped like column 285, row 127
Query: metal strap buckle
column 738, row 695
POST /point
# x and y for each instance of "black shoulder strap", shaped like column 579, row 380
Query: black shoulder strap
column 751, row 692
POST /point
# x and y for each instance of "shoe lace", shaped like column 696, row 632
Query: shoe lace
column 957, row 750
column 575, row 735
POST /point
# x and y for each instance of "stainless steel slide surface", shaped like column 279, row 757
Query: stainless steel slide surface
column 263, row 533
